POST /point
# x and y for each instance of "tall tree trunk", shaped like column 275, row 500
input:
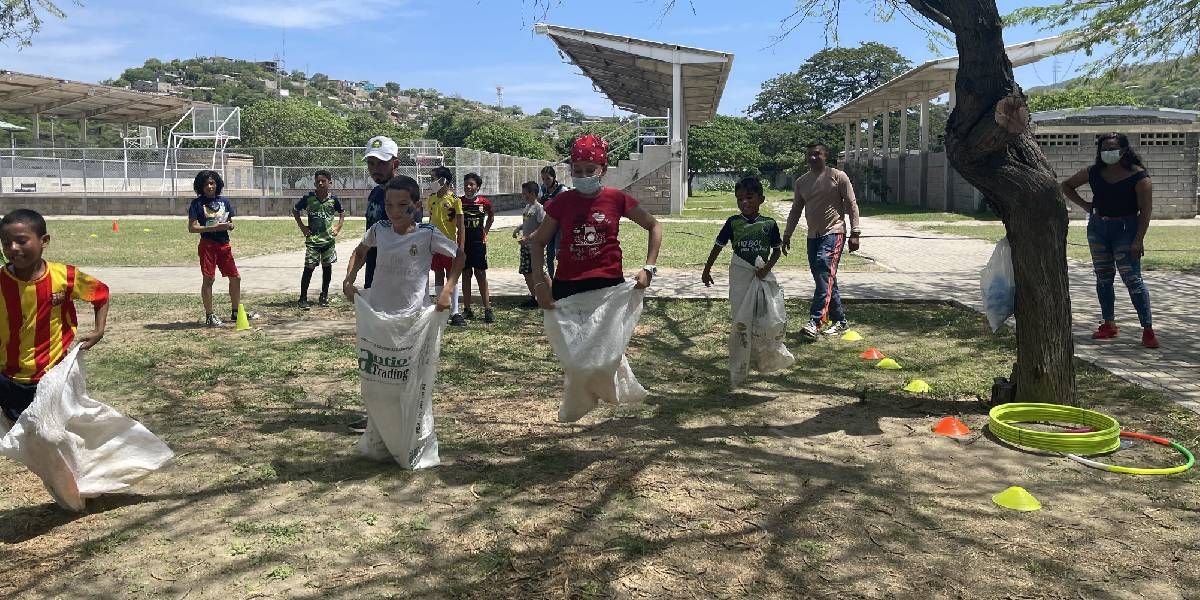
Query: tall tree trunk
column 989, row 143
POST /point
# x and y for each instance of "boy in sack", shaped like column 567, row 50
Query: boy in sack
column 399, row 333
column 756, row 301
column 320, row 235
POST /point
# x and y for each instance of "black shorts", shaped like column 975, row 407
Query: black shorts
column 563, row 289
column 15, row 397
column 476, row 255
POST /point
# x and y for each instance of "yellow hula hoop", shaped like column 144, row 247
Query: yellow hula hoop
column 1103, row 435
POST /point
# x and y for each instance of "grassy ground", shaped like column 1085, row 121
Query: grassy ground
column 896, row 212
column 815, row 482
column 1168, row 248
column 158, row 242
column 720, row 205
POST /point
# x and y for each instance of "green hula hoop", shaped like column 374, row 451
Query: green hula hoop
column 1191, row 460
column 1104, row 435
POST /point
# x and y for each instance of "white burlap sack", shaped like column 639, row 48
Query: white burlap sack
column 589, row 332
column 398, row 360
column 80, row 448
column 758, row 322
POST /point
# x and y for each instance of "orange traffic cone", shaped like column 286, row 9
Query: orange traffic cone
column 116, row 227
column 871, row 354
column 951, row 427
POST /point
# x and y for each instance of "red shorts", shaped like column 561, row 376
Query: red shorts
column 214, row 255
column 442, row 263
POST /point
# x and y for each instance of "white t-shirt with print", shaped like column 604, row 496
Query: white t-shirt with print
column 402, row 265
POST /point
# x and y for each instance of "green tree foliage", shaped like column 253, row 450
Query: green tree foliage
column 837, row 75
column 1080, row 97
column 506, row 137
column 362, row 126
column 294, row 131
column 571, row 115
column 452, row 128
column 725, row 145
column 21, row 19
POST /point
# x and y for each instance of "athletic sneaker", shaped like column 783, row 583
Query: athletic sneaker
column 468, row 314
column 323, row 300
column 1149, row 340
column 457, row 320
column 303, row 304
column 837, row 328
column 213, row 321
column 1107, row 330
column 488, row 316
column 359, row 426
column 250, row 316
column 811, row 330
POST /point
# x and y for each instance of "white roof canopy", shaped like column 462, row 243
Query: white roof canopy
column 636, row 74
column 934, row 78
column 49, row 96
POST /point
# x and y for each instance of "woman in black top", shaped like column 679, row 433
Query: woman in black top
column 1118, row 217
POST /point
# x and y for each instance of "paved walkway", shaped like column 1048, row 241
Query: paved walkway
column 946, row 267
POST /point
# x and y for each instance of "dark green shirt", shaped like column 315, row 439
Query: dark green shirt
column 320, row 217
column 751, row 238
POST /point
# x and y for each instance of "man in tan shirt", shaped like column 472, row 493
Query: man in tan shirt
column 828, row 196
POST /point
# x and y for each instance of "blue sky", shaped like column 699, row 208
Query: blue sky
column 460, row 46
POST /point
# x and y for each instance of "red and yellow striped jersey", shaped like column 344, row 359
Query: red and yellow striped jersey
column 35, row 334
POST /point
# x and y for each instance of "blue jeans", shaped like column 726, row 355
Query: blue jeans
column 1109, row 241
column 824, row 253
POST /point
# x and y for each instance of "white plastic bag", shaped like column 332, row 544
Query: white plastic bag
column 589, row 332
column 999, row 286
column 80, row 448
column 758, row 322
column 397, row 360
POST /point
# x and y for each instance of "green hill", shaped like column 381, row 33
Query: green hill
column 1169, row 84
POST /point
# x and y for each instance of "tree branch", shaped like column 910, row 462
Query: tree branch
column 932, row 10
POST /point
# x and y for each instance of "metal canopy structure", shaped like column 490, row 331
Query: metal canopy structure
column 655, row 79
column 49, row 96
column 935, row 78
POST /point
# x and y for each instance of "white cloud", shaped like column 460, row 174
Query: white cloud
column 88, row 59
column 318, row 14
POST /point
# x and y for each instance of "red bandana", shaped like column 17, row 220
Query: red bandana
column 591, row 148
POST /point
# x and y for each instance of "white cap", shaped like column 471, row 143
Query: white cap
column 381, row 147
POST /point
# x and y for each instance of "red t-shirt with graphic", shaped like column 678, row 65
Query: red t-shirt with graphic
column 588, row 246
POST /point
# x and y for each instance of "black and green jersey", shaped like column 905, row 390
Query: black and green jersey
column 320, row 217
column 751, row 237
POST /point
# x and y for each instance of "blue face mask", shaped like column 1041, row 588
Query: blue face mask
column 587, row 186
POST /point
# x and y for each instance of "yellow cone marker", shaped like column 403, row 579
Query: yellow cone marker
column 145, row 230
column 1016, row 498
column 852, row 336
column 243, row 323
column 917, row 386
column 888, row 363
column 93, row 235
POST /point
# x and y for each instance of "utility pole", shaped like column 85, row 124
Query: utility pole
column 499, row 96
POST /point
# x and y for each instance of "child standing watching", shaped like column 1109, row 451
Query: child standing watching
column 38, row 322
column 446, row 213
column 478, row 217
column 399, row 410
column 531, row 218
column 320, row 245
column 211, row 216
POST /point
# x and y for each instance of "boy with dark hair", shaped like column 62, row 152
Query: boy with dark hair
column 445, row 213
column 320, row 245
column 549, row 190
column 211, row 216
column 478, row 217
column 38, row 322
column 531, row 218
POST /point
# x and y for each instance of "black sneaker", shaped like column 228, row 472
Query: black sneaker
column 213, row 321
column 457, row 320
column 323, row 300
column 359, row 426
column 302, row 304
column 488, row 316
column 530, row 302
column 468, row 314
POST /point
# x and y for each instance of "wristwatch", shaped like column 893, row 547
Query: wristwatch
column 651, row 269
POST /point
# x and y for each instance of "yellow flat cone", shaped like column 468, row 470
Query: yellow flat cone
column 93, row 235
column 1016, row 498
column 243, row 323
column 145, row 230
column 917, row 386
column 852, row 336
column 888, row 363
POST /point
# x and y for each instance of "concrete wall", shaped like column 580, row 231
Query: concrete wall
column 653, row 191
column 935, row 183
column 911, row 195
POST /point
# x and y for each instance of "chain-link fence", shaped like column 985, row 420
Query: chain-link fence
column 246, row 171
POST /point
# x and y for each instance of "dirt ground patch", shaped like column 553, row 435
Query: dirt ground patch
column 823, row 481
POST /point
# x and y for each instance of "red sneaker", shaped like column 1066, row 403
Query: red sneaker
column 1107, row 330
column 1149, row 340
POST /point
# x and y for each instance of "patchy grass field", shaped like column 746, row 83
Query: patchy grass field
column 1168, row 247
column 897, row 212
column 167, row 243
column 720, row 205
column 822, row 481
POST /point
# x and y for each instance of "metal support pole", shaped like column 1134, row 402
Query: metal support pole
column 678, row 125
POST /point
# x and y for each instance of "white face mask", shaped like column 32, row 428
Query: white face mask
column 587, row 185
column 1110, row 157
